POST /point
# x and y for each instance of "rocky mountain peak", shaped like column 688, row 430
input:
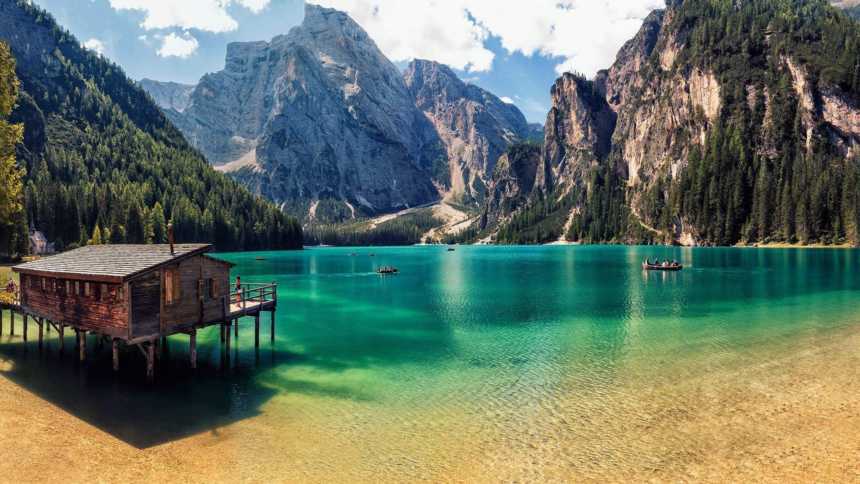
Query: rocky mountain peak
column 345, row 51
column 475, row 127
column 431, row 82
column 324, row 23
column 320, row 114
column 622, row 78
column 168, row 95
column 578, row 130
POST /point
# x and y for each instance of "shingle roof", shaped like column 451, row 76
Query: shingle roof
column 110, row 263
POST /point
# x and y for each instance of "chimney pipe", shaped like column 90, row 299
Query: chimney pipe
column 170, row 237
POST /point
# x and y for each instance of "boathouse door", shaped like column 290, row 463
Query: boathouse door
column 146, row 305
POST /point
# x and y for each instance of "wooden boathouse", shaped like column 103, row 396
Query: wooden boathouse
column 137, row 295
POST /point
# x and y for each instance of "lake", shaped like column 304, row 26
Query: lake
column 497, row 363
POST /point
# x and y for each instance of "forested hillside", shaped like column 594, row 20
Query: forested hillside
column 775, row 165
column 104, row 164
column 13, row 234
column 726, row 122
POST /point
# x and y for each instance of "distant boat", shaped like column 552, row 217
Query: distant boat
column 260, row 258
column 451, row 249
column 661, row 267
column 386, row 270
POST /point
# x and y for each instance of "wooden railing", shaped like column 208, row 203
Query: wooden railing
column 254, row 294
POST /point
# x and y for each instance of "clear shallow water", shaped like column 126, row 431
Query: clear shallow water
column 464, row 353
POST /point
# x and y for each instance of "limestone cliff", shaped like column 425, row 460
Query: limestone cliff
column 715, row 125
column 321, row 115
column 168, row 95
column 512, row 183
column 577, row 133
column 316, row 114
column 475, row 127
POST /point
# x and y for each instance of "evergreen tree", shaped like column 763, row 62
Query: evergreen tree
column 135, row 226
column 158, row 224
column 12, row 223
column 96, row 239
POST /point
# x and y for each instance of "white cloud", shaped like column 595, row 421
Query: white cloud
column 173, row 45
column 255, row 6
column 95, row 45
column 506, row 100
column 584, row 35
column 207, row 15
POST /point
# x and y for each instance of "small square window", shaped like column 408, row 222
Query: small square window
column 171, row 286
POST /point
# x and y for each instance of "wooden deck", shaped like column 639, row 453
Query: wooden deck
column 252, row 299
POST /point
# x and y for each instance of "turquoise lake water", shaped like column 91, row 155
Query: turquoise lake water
column 498, row 342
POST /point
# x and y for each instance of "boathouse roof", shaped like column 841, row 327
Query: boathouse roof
column 110, row 263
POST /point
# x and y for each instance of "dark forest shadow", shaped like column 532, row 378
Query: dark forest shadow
column 181, row 402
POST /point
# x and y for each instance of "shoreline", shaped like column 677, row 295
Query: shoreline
column 785, row 245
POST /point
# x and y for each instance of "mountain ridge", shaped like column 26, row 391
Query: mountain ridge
column 475, row 126
column 716, row 141
column 373, row 148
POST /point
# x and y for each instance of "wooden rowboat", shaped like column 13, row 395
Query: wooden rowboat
column 660, row 267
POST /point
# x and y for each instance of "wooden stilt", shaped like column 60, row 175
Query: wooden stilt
column 25, row 327
column 62, row 337
column 115, row 350
column 272, row 313
column 236, row 328
column 150, row 361
column 193, row 350
column 227, row 343
column 82, row 345
column 41, row 331
column 222, row 334
column 11, row 323
column 257, row 330
column 1, row 322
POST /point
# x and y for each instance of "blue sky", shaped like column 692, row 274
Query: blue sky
column 513, row 48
